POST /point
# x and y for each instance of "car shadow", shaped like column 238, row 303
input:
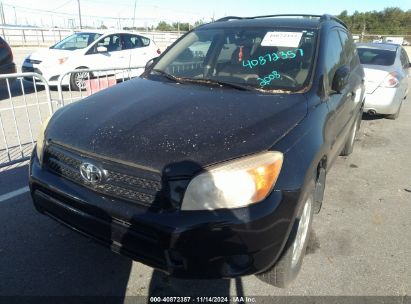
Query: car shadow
column 18, row 88
column 162, row 285
column 40, row 257
column 366, row 116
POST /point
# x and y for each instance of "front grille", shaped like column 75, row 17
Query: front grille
column 129, row 183
column 25, row 69
column 32, row 61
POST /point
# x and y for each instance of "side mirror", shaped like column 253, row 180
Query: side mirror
column 101, row 49
column 340, row 79
column 150, row 63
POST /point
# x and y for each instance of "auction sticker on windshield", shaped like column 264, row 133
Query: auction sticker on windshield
column 290, row 39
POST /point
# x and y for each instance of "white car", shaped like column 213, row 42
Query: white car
column 92, row 50
column 386, row 68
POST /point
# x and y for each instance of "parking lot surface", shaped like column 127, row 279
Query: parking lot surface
column 360, row 244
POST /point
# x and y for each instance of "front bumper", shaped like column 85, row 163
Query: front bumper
column 189, row 244
column 383, row 100
column 50, row 74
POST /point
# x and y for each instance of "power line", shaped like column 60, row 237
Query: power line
column 63, row 5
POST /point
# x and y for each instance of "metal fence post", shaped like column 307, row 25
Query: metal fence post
column 24, row 37
column 17, row 148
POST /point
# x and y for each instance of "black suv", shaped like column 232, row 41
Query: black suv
column 7, row 65
column 214, row 161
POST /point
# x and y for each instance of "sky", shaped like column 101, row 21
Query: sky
column 150, row 12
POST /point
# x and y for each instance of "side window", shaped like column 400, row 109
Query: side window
column 348, row 48
column 404, row 59
column 145, row 41
column 129, row 42
column 133, row 41
column 112, row 43
column 334, row 55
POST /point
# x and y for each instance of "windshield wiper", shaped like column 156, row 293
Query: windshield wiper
column 205, row 81
column 166, row 75
column 233, row 85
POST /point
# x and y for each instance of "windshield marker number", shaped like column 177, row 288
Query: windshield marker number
column 262, row 60
column 267, row 80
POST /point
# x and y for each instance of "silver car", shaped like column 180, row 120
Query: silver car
column 386, row 77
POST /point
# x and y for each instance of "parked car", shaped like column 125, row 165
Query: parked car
column 386, row 68
column 212, row 168
column 7, row 65
column 93, row 50
column 394, row 40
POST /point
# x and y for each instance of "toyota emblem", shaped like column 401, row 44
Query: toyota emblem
column 91, row 173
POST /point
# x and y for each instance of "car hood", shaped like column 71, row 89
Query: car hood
column 154, row 124
column 52, row 55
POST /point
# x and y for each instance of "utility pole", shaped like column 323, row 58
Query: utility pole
column 134, row 14
column 3, row 20
column 15, row 15
column 363, row 28
column 79, row 14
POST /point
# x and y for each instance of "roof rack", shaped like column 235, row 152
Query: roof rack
column 228, row 18
column 324, row 17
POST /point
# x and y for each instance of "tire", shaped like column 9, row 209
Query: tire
column 78, row 80
column 349, row 144
column 288, row 266
column 395, row 115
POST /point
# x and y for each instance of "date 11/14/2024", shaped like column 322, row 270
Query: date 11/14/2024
column 270, row 57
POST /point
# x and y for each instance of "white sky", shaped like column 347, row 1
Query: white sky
column 150, row 12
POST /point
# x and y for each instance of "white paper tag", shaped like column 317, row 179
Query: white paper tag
column 290, row 39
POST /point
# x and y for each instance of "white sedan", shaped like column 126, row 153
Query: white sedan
column 386, row 68
column 92, row 50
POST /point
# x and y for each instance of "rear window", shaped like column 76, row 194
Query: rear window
column 376, row 56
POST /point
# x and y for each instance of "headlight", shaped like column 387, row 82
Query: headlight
column 234, row 184
column 40, row 140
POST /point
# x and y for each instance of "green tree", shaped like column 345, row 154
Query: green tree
column 391, row 20
column 164, row 26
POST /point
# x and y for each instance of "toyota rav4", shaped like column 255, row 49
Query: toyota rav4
column 213, row 162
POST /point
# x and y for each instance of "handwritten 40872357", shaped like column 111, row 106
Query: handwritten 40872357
column 271, row 57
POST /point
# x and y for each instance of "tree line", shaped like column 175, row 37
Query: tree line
column 390, row 21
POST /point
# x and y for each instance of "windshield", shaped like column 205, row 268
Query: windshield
column 76, row 41
column 376, row 56
column 260, row 58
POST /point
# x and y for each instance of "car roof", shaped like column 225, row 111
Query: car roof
column 284, row 20
column 266, row 22
column 109, row 32
column 380, row 46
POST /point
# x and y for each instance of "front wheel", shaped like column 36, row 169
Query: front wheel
column 289, row 265
column 78, row 80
